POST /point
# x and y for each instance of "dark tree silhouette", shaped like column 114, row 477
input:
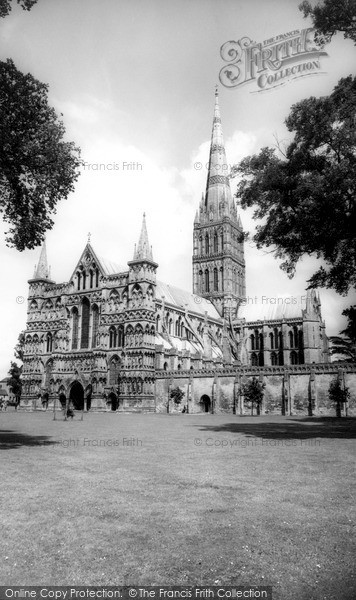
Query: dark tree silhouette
column 6, row 6
column 38, row 167
column 331, row 16
column 306, row 199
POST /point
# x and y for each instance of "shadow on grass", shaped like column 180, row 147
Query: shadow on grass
column 12, row 439
column 306, row 428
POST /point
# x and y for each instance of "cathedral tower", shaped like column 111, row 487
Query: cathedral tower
column 218, row 251
column 137, row 384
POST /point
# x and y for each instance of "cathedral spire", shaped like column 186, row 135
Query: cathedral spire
column 42, row 270
column 218, row 185
column 143, row 250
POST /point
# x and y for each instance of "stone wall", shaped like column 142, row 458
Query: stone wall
column 297, row 390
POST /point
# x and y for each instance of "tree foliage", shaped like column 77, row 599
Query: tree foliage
column 253, row 392
column 19, row 348
column 338, row 394
column 177, row 395
column 6, row 6
column 37, row 167
column 306, row 199
column 14, row 382
column 331, row 16
column 345, row 344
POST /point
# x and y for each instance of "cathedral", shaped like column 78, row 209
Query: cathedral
column 114, row 338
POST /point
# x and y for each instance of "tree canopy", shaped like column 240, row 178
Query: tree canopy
column 253, row 393
column 14, row 382
column 6, row 6
column 38, row 167
column 306, row 198
column 345, row 344
column 332, row 16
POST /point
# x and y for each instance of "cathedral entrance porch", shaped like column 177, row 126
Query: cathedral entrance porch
column 113, row 401
column 76, row 396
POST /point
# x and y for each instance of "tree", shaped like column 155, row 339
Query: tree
column 19, row 348
column 338, row 394
column 6, row 6
column 15, row 383
column 37, row 167
column 346, row 345
column 332, row 16
column 253, row 392
column 177, row 395
column 306, row 199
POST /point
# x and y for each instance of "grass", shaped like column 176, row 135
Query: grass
column 193, row 499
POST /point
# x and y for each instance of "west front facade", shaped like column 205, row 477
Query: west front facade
column 117, row 338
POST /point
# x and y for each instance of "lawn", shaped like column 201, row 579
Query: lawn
column 179, row 499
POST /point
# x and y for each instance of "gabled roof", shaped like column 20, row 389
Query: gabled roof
column 184, row 299
column 279, row 308
column 107, row 267
column 110, row 267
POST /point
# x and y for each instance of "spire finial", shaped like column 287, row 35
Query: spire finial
column 218, row 186
column 42, row 271
column 89, row 236
column 143, row 248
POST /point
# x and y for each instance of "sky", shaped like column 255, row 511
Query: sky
column 135, row 81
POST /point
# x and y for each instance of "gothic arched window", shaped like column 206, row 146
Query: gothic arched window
column 274, row 358
column 95, row 326
column 178, row 327
column 293, row 358
column 252, row 340
column 290, row 336
column 254, row 359
column 261, row 341
column 300, row 340
column 78, row 281
column 206, row 280
column 216, row 280
column 49, row 341
column 206, row 244
column 216, row 249
column 271, row 341
column 121, row 336
column 85, row 322
column 257, row 338
column 280, row 340
column 75, row 323
column 275, row 333
column 112, row 337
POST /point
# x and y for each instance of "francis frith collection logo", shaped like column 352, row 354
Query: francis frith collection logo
column 274, row 61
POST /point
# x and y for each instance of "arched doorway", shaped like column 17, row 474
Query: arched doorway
column 112, row 399
column 205, row 403
column 62, row 399
column 76, row 395
column 45, row 400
